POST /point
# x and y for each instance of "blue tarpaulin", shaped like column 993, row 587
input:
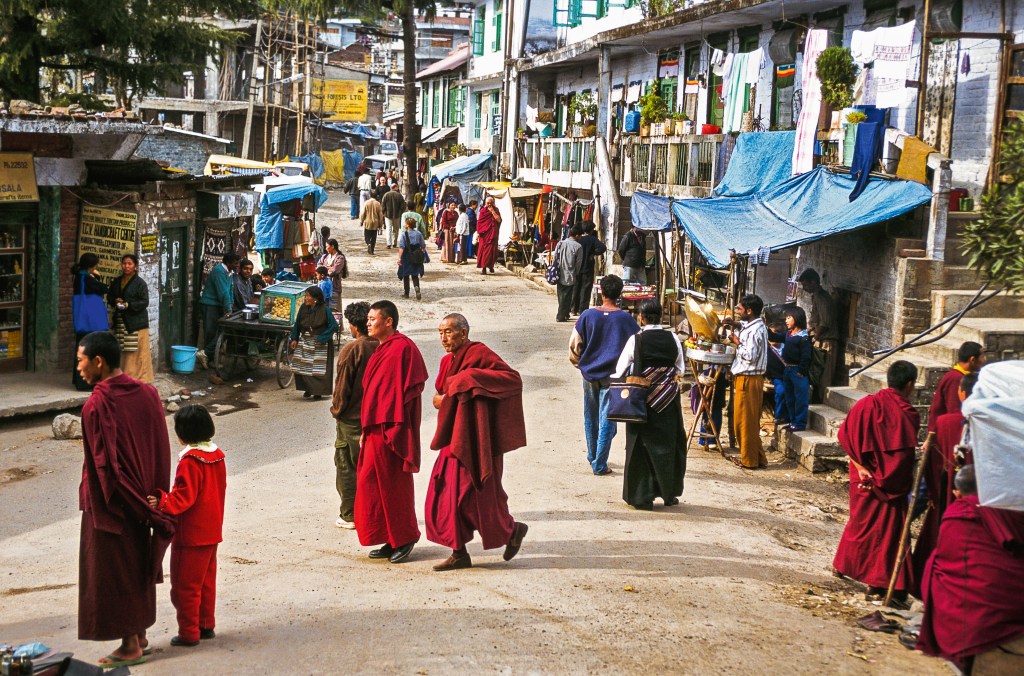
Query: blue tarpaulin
column 797, row 210
column 460, row 165
column 748, row 172
column 354, row 128
column 316, row 165
column 269, row 226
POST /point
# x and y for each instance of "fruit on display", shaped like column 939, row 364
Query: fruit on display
column 280, row 308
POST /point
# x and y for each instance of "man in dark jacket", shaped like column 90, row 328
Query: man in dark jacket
column 591, row 247
column 216, row 300
column 632, row 250
column 393, row 205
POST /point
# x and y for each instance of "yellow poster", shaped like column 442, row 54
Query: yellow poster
column 18, row 178
column 109, row 234
column 342, row 100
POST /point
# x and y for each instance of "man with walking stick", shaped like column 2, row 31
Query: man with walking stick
column 880, row 435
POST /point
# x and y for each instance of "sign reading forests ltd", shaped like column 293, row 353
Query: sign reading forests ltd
column 18, row 178
column 342, row 100
column 109, row 234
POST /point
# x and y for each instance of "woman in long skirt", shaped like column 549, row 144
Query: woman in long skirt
column 449, row 217
column 129, row 297
column 313, row 346
column 655, row 450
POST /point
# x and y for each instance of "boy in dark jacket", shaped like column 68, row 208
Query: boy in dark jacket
column 197, row 498
column 796, row 355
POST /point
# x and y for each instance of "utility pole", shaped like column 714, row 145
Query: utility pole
column 247, row 135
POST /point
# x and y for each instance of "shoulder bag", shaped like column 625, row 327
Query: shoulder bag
column 551, row 273
column 88, row 311
column 627, row 397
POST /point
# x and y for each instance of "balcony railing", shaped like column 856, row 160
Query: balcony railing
column 679, row 165
column 565, row 162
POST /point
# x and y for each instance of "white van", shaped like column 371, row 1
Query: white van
column 388, row 148
column 384, row 163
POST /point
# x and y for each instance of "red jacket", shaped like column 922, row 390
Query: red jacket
column 197, row 498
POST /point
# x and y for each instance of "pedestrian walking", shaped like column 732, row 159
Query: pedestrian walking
column 479, row 399
column 592, row 247
column 129, row 298
column 462, row 235
column 393, row 204
column 568, row 258
column 197, row 500
column 385, row 507
column 365, row 185
column 312, row 341
column 337, row 269
column 488, row 223
column 412, row 255
column 449, row 217
column 123, row 539
column 345, row 407
column 655, row 450
column 594, row 348
column 632, row 251
column 471, row 212
column 372, row 219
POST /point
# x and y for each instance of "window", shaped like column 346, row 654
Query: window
column 423, row 104
column 456, row 101
column 692, row 84
column 478, row 112
column 495, row 112
column 496, row 22
column 570, row 13
column 477, row 38
column 435, row 106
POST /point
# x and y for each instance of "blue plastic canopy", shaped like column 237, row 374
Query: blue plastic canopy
column 460, row 165
column 316, row 164
column 794, row 211
column 748, row 172
column 269, row 226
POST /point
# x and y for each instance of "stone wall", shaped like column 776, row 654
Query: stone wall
column 182, row 151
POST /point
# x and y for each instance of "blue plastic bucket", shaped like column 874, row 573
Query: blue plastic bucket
column 183, row 358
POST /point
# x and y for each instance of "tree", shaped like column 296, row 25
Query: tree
column 134, row 45
column 993, row 241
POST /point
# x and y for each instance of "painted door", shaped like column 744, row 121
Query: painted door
column 173, row 291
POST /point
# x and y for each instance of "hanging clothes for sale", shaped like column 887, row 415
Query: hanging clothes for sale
column 807, row 123
column 867, row 149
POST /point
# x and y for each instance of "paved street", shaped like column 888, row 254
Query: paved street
column 735, row 579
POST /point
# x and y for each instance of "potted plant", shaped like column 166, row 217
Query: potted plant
column 652, row 110
column 837, row 73
column 582, row 110
column 589, row 130
column 679, row 126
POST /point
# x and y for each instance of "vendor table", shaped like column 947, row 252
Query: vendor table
column 251, row 340
column 715, row 363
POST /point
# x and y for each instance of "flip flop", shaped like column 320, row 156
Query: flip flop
column 115, row 662
column 148, row 650
column 735, row 459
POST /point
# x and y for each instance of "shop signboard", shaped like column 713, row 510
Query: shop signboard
column 108, row 233
column 341, row 100
column 18, row 178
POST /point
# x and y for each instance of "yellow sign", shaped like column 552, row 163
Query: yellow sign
column 341, row 100
column 109, row 234
column 18, row 178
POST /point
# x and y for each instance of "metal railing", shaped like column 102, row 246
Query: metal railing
column 558, row 154
column 672, row 162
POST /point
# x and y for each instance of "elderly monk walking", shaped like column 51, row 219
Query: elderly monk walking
column 879, row 435
column 480, row 418
column 123, row 540
column 385, row 510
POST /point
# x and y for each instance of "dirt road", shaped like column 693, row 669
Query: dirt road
column 735, row 579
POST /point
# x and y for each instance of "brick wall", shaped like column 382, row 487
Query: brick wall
column 70, row 206
column 180, row 150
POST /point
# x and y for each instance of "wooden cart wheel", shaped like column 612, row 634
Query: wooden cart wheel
column 220, row 356
column 283, row 366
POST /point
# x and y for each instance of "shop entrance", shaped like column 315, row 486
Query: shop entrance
column 172, row 285
column 14, row 222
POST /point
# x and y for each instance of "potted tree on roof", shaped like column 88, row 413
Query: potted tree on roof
column 652, row 110
column 583, row 110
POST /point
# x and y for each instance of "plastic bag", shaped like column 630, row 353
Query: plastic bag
column 995, row 417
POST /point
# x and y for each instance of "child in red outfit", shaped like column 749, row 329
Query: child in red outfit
column 197, row 497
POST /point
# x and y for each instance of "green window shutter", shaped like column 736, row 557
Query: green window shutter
column 590, row 9
column 561, row 13
column 477, row 38
column 435, row 111
column 575, row 12
column 478, row 112
column 456, row 100
column 496, row 42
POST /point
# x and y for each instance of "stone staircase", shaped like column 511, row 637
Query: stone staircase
column 998, row 324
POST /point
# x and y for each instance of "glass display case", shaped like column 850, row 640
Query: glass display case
column 12, row 296
column 279, row 303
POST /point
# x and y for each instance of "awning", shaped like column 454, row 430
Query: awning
column 226, row 164
column 438, row 135
column 460, row 165
column 268, row 227
column 793, row 211
column 455, row 58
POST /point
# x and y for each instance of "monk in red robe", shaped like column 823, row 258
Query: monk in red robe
column 939, row 470
column 480, row 418
column 488, row 222
column 879, row 435
column 969, row 359
column 385, row 510
column 974, row 586
column 123, row 539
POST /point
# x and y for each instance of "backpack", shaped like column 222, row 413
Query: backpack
column 551, row 273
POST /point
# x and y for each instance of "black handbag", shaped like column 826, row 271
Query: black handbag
column 627, row 397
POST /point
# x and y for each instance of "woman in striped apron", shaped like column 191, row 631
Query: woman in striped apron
column 313, row 346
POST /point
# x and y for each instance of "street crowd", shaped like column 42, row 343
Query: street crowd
column 132, row 513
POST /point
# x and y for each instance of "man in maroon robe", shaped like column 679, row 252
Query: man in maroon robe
column 123, row 539
column 488, row 222
column 974, row 586
column 480, row 418
column 969, row 359
column 879, row 435
column 385, row 510
column 939, row 470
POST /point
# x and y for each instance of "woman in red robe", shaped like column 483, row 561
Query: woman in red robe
column 488, row 222
column 879, row 434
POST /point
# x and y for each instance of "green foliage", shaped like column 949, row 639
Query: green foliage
column 837, row 73
column 652, row 107
column 585, row 105
column 656, row 8
column 993, row 242
column 134, row 45
column 90, row 102
column 856, row 117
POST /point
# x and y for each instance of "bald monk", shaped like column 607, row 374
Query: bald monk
column 974, row 586
column 940, row 469
column 480, row 418
column 123, row 540
column 385, row 510
column 879, row 435
column 969, row 359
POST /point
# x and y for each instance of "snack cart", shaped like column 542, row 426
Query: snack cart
column 262, row 332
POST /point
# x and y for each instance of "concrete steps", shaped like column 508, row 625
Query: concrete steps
column 843, row 398
column 947, row 302
column 1003, row 338
column 813, row 450
column 824, row 420
column 960, row 278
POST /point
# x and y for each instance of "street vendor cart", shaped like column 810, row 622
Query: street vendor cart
column 707, row 365
column 262, row 332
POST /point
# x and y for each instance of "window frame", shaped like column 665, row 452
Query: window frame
column 477, row 34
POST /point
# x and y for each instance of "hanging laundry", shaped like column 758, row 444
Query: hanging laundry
column 717, row 60
column 888, row 50
column 634, row 91
column 867, row 148
column 806, row 126
column 734, row 93
column 755, row 61
column 892, row 51
column 761, row 256
column 965, row 64
column 862, row 47
column 722, row 70
column 914, row 160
